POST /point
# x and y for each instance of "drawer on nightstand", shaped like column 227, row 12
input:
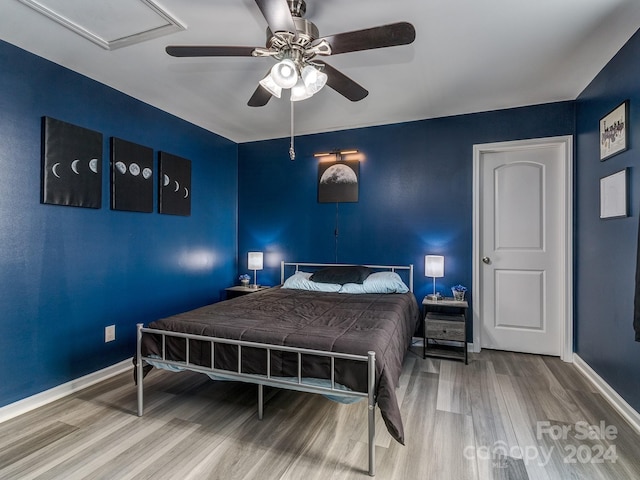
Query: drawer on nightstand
column 445, row 327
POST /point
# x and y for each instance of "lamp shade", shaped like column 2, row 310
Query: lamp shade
column 434, row 266
column 268, row 83
column 285, row 73
column 313, row 79
column 255, row 260
column 300, row 92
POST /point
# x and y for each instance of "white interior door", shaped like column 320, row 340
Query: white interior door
column 521, row 227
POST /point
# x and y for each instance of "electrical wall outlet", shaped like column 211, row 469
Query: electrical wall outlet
column 109, row 333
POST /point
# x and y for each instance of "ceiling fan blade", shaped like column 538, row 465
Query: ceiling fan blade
column 343, row 84
column 209, row 51
column 277, row 15
column 401, row 33
column 260, row 97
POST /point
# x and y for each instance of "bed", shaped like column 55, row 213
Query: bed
column 337, row 330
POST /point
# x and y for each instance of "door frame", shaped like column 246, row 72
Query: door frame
column 567, row 233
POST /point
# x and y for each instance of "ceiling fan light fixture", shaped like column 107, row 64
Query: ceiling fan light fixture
column 269, row 85
column 285, row 73
column 313, row 79
column 300, row 92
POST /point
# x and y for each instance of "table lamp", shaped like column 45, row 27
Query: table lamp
column 434, row 267
column 255, row 263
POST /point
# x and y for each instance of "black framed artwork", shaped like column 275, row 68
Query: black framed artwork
column 174, row 193
column 338, row 182
column 71, row 165
column 614, row 131
column 131, row 176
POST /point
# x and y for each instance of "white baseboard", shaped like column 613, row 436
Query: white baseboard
column 38, row 400
column 616, row 401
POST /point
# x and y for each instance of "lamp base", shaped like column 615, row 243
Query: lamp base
column 434, row 297
column 253, row 285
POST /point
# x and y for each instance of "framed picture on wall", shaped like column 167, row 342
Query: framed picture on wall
column 174, row 190
column 131, row 176
column 613, row 195
column 338, row 181
column 71, row 165
column 614, row 131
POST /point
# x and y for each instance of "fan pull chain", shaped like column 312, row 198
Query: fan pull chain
column 292, row 152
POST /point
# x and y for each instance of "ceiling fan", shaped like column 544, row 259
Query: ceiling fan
column 295, row 43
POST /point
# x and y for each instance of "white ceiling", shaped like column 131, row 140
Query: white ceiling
column 469, row 56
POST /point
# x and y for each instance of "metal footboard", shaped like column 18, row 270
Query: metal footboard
column 262, row 380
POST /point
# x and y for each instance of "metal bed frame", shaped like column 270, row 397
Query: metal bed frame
column 296, row 384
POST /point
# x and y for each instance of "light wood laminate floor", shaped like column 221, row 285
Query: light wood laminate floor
column 504, row 416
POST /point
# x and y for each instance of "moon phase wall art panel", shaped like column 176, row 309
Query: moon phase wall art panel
column 131, row 176
column 338, row 181
column 174, row 197
column 71, row 165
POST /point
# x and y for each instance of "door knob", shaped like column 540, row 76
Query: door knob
column 486, row 260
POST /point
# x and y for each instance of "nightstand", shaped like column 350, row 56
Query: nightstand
column 445, row 320
column 239, row 290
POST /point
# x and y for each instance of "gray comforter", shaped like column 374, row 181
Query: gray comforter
column 356, row 324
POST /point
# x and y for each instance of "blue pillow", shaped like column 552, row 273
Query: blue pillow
column 301, row 281
column 379, row 282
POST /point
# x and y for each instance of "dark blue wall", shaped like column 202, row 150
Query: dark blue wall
column 606, row 249
column 67, row 272
column 415, row 193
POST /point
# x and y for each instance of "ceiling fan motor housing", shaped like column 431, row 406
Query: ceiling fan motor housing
column 307, row 32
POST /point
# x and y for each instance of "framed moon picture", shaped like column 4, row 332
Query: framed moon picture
column 174, row 197
column 131, row 176
column 338, row 181
column 71, row 165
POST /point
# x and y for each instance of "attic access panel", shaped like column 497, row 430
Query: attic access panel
column 113, row 24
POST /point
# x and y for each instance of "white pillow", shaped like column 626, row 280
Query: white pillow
column 300, row 281
column 353, row 288
column 378, row 282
